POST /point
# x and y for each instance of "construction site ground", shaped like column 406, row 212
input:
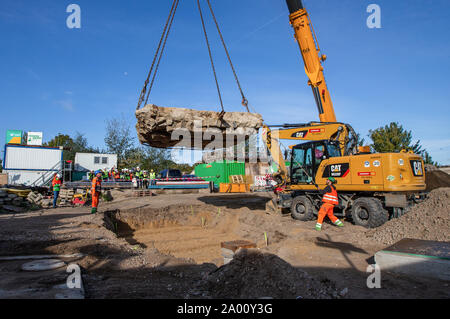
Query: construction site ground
column 168, row 246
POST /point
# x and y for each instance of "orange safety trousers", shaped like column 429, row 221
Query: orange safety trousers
column 95, row 197
column 326, row 210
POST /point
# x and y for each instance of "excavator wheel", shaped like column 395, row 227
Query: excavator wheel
column 369, row 212
column 302, row 208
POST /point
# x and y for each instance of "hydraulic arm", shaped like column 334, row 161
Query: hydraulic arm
column 304, row 33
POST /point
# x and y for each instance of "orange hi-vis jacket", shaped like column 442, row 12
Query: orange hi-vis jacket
column 331, row 197
column 96, row 184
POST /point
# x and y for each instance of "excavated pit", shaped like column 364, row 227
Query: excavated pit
column 193, row 233
column 165, row 127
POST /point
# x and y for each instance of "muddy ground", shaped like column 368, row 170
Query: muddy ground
column 168, row 246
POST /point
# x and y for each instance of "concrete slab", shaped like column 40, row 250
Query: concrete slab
column 416, row 258
column 49, row 284
column 43, row 265
column 166, row 127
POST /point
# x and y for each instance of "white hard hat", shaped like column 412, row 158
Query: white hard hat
column 58, row 175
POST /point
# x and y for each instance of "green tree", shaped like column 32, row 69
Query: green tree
column 65, row 141
column 119, row 140
column 359, row 140
column 393, row 138
column 80, row 145
column 148, row 158
column 427, row 159
column 71, row 145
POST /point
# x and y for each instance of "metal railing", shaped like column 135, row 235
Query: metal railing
column 45, row 179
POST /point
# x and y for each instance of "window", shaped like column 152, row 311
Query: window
column 303, row 164
column 96, row 160
column 333, row 150
column 104, row 160
column 319, row 153
column 298, row 162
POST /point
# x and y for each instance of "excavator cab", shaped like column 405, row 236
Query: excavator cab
column 307, row 157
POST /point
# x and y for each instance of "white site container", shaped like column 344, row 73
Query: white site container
column 85, row 162
column 29, row 165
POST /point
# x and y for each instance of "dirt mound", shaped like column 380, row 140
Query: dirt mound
column 436, row 179
column 429, row 220
column 253, row 274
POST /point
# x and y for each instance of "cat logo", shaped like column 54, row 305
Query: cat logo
column 336, row 168
column 417, row 168
column 300, row 134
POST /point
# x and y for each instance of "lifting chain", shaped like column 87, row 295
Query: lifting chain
column 210, row 55
column 244, row 99
column 160, row 50
column 159, row 53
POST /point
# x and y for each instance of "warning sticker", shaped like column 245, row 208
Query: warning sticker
column 365, row 174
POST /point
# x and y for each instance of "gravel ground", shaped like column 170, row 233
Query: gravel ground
column 429, row 220
column 298, row 262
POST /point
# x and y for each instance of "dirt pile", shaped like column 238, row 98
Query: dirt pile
column 436, row 179
column 429, row 220
column 165, row 127
column 254, row 274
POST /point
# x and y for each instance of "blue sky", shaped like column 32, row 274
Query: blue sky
column 56, row 79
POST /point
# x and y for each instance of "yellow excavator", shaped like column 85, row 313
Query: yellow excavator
column 372, row 187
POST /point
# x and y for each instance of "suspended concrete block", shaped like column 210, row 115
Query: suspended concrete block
column 165, row 127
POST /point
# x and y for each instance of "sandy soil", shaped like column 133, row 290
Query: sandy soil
column 168, row 246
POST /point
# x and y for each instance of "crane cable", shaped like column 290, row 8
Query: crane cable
column 210, row 55
column 158, row 54
column 162, row 45
column 162, row 50
column 244, row 100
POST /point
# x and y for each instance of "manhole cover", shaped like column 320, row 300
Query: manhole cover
column 41, row 265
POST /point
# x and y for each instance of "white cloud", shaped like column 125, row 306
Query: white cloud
column 66, row 105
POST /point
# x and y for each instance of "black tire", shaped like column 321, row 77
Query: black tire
column 369, row 212
column 302, row 208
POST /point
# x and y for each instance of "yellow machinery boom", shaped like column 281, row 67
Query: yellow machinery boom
column 304, row 33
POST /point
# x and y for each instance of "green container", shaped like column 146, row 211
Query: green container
column 219, row 172
column 14, row 137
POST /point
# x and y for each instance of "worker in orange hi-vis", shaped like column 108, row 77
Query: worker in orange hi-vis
column 56, row 186
column 330, row 199
column 95, row 191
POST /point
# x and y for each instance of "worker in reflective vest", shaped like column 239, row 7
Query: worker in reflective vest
column 95, row 191
column 330, row 199
column 152, row 177
column 138, row 176
column 56, row 185
column 145, row 179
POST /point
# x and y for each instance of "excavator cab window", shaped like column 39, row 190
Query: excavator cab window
column 298, row 174
column 306, row 159
column 333, row 150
